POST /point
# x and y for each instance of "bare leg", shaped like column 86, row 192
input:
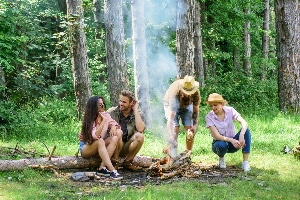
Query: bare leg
column 245, row 156
column 115, row 156
column 189, row 141
column 98, row 146
column 134, row 147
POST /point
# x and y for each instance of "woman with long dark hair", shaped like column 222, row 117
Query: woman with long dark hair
column 100, row 134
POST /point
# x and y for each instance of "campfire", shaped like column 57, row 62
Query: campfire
column 171, row 166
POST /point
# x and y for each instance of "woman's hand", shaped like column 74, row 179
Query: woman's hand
column 113, row 131
column 102, row 117
column 242, row 141
column 236, row 144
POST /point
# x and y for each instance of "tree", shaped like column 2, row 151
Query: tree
column 288, row 54
column 185, row 38
column 98, row 17
column 265, row 39
column 198, row 58
column 140, row 57
column 115, row 49
column 62, row 5
column 78, row 51
column 209, row 42
column 247, row 42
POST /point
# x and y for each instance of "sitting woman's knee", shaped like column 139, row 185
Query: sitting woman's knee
column 119, row 133
column 100, row 142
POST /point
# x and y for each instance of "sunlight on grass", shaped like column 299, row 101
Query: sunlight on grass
column 273, row 175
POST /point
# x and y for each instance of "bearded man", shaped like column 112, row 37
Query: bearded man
column 130, row 118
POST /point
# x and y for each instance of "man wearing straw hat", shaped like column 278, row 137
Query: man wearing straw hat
column 181, row 102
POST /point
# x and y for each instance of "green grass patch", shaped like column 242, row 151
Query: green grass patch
column 274, row 175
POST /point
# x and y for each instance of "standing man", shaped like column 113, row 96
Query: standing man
column 129, row 118
column 181, row 101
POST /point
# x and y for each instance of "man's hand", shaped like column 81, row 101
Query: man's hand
column 135, row 105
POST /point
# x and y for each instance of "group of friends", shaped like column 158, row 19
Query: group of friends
column 118, row 131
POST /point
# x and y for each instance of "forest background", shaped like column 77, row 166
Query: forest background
column 36, row 59
column 38, row 97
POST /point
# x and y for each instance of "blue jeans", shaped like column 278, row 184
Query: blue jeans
column 183, row 114
column 221, row 147
column 81, row 144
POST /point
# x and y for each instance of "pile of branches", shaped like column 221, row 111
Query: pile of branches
column 169, row 167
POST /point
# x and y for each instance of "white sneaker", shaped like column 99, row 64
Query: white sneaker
column 222, row 163
column 246, row 167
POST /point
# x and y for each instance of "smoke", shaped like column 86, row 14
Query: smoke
column 160, row 17
column 160, row 24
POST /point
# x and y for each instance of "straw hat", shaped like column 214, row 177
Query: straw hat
column 188, row 85
column 215, row 98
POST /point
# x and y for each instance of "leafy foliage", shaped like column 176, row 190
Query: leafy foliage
column 34, row 54
column 243, row 92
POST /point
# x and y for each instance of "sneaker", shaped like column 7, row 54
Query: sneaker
column 129, row 165
column 246, row 167
column 222, row 163
column 103, row 172
column 115, row 175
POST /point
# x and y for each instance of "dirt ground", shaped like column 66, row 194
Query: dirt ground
column 206, row 173
column 137, row 179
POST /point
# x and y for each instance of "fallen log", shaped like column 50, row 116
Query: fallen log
column 64, row 162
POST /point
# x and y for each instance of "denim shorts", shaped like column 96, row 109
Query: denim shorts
column 183, row 114
column 81, row 144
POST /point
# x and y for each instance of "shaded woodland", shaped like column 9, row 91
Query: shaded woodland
column 246, row 50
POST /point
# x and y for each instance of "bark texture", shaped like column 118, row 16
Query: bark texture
column 79, row 58
column 185, row 38
column 198, row 58
column 288, row 54
column 65, row 162
column 98, row 17
column 115, row 49
column 265, row 39
column 247, row 42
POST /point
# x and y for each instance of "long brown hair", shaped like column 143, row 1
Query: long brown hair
column 90, row 115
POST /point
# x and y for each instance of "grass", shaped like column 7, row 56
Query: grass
column 274, row 175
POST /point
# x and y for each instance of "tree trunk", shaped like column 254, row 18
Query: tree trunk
column 78, row 51
column 209, row 63
column 236, row 59
column 265, row 40
column 140, row 57
column 247, row 55
column 98, row 18
column 288, row 54
column 185, row 38
column 64, row 162
column 115, row 50
column 198, row 59
column 2, row 83
column 62, row 5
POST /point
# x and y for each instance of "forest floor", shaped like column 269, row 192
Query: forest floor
column 138, row 179
column 209, row 173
